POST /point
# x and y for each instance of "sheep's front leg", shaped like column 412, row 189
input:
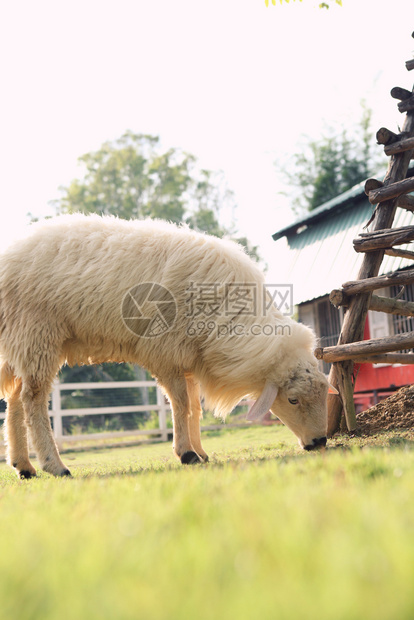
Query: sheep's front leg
column 35, row 398
column 176, row 390
column 193, row 390
column 16, row 437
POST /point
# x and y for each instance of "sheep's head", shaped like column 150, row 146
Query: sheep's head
column 300, row 402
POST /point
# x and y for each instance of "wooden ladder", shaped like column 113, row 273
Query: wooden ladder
column 357, row 295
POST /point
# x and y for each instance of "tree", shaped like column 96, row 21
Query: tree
column 131, row 178
column 209, row 194
column 327, row 167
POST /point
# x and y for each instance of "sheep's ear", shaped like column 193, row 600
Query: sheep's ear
column 332, row 390
column 263, row 403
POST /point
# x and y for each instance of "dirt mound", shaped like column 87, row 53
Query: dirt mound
column 396, row 411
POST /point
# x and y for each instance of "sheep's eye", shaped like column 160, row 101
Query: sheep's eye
column 293, row 401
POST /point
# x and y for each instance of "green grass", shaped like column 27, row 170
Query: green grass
column 264, row 531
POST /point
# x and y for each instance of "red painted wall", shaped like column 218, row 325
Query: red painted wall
column 375, row 383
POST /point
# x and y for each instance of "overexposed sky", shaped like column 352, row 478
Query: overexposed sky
column 233, row 82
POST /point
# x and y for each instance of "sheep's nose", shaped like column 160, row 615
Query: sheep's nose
column 320, row 442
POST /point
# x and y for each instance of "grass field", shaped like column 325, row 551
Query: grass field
column 264, row 531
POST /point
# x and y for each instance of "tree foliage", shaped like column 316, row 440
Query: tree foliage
column 132, row 178
column 331, row 165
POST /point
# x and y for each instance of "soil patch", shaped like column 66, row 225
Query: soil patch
column 394, row 412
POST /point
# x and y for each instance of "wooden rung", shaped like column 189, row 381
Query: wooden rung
column 400, row 93
column 407, row 105
column 372, row 184
column 338, row 297
column 386, row 136
column 399, row 147
column 393, row 190
column 391, row 306
column 386, row 358
column 406, row 202
column 372, row 284
column 383, row 239
column 399, row 253
column 380, row 231
column 409, row 65
column 350, row 351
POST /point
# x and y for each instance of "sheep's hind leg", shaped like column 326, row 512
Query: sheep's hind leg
column 176, row 389
column 16, row 437
column 193, row 390
column 35, row 396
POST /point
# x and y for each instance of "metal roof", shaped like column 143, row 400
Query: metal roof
column 336, row 204
column 320, row 254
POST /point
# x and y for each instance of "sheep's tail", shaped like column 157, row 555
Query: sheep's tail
column 9, row 383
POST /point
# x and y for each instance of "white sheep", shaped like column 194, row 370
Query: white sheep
column 188, row 307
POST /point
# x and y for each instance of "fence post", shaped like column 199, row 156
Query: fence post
column 57, row 413
column 162, row 414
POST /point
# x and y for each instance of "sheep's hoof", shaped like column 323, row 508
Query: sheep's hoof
column 190, row 458
column 26, row 474
column 59, row 470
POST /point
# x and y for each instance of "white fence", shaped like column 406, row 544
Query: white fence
column 57, row 411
